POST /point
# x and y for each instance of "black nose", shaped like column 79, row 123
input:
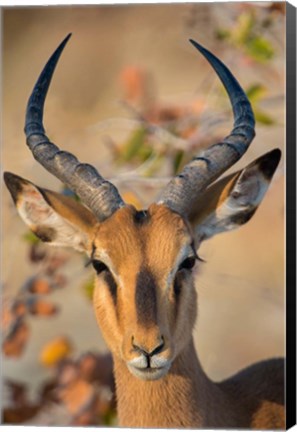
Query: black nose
column 147, row 352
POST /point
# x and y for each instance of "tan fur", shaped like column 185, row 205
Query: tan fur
column 71, row 210
column 129, row 248
column 214, row 196
column 185, row 397
column 156, row 246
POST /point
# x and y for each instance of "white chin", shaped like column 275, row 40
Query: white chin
column 148, row 374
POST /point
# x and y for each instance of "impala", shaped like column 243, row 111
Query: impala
column 144, row 298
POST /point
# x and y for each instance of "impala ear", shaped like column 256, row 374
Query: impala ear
column 54, row 218
column 233, row 200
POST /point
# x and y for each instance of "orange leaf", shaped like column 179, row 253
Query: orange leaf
column 67, row 373
column 133, row 80
column 19, row 308
column 16, row 340
column 77, row 395
column 131, row 198
column 6, row 316
column 40, row 307
column 87, row 366
column 39, row 286
column 54, row 351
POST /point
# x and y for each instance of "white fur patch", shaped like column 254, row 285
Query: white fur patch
column 38, row 215
column 245, row 197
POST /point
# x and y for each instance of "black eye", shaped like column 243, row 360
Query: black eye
column 188, row 263
column 99, row 266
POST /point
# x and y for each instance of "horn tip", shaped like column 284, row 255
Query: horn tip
column 196, row 45
column 65, row 40
column 68, row 36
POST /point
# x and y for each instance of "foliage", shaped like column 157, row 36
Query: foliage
column 246, row 34
column 256, row 92
column 81, row 390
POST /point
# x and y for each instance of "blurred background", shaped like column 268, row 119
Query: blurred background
column 135, row 99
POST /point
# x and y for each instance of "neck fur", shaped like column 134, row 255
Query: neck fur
column 184, row 398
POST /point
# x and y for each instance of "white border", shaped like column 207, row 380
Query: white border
column 10, row 4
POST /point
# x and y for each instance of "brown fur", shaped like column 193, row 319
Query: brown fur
column 185, row 397
column 157, row 243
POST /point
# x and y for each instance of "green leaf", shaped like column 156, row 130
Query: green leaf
column 154, row 166
column 31, row 238
column 134, row 145
column 255, row 92
column 263, row 118
column 88, row 288
column 177, row 160
column 144, row 153
column 110, row 418
column 222, row 34
column 260, row 49
column 243, row 29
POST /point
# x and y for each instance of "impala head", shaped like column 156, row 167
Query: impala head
column 144, row 299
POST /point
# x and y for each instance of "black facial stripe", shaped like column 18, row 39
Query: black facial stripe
column 109, row 280
column 177, row 286
column 146, row 298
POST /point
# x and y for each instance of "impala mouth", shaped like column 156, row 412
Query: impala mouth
column 148, row 373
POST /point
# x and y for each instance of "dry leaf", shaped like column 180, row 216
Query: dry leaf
column 20, row 414
column 6, row 316
column 84, row 419
column 39, row 286
column 104, row 371
column 19, row 308
column 17, row 392
column 134, row 81
column 87, row 366
column 131, row 198
column 67, row 372
column 16, row 340
column 55, row 262
column 37, row 252
column 77, row 396
column 54, row 351
column 41, row 307
column 59, row 280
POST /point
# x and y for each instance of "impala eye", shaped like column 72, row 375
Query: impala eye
column 188, row 263
column 99, row 266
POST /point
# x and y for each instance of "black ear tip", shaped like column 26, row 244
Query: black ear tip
column 277, row 153
column 269, row 162
column 14, row 184
column 8, row 177
column 275, row 156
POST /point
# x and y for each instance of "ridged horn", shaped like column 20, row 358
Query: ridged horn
column 98, row 194
column 211, row 163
